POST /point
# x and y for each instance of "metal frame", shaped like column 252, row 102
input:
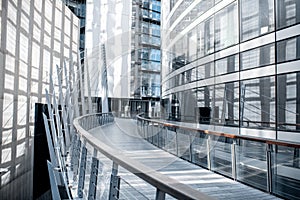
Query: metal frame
column 271, row 162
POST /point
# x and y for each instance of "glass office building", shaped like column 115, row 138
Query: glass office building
column 123, row 43
column 146, row 48
column 233, row 65
column 145, row 55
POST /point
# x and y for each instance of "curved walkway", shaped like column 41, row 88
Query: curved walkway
column 123, row 135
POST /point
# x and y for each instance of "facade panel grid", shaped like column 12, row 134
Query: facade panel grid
column 244, row 85
column 26, row 63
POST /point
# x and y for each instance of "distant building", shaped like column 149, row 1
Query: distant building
column 146, row 48
column 127, row 36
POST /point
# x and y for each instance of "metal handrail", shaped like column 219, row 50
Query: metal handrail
column 227, row 135
column 161, row 182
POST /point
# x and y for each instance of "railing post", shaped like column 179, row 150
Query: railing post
column 76, row 159
column 191, row 146
column 161, row 136
column 114, row 183
column 93, row 178
column 152, row 133
column 165, row 134
column 296, row 158
column 176, row 141
column 53, row 183
column 233, row 158
column 160, row 195
column 82, row 172
column 73, row 150
column 208, row 152
column 269, row 167
column 145, row 130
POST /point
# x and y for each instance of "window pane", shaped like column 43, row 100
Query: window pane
column 257, row 17
column 192, row 45
column 288, row 13
column 258, row 57
column 227, row 65
column 226, row 110
column 205, row 38
column 288, row 101
column 204, row 104
column 205, row 71
column 258, row 103
column 226, row 27
column 288, row 49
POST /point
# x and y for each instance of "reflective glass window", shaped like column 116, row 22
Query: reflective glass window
column 260, row 56
column 187, row 106
column 192, row 45
column 190, row 75
column 257, row 18
column 288, row 98
column 181, row 47
column 288, row 13
column 198, row 10
column 177, row 80
column 226, row 105
column 288, row 49
column 205, row 71
column 257, row 103
column 204, row 104
column 179, row 62
column 227, row 65
column 226, row 27
column 205, row 38
column 150, row 84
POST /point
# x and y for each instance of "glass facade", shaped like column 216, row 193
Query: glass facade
column 35, row 36
column 233, row 64
column 257, row 18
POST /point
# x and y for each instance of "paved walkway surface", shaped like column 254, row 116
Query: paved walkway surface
column 123, row 136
